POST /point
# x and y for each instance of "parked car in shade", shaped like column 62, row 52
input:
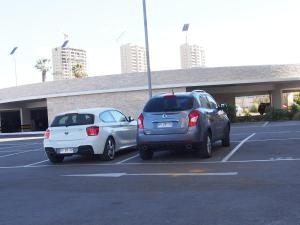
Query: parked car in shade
column 96, row 131
column 189, row 120
column 262, row 107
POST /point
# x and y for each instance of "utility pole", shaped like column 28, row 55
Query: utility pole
column 147, row 49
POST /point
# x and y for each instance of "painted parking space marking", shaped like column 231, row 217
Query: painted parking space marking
column 20, row 139
column 273, row 139
column 268, row 132
column 18, row 153
column 265, row 124
column 271, row 160
column 226, row 158
column 16, row 146
column 127, row 159
column 116, row 175
column 33, row 164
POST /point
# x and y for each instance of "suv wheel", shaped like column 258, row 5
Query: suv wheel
column 54, row 158
column 145, row 153
column 109, row 150
column 205, row 148
column 226, row 139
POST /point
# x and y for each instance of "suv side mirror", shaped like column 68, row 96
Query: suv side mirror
column 130, row 119
column 222, row 106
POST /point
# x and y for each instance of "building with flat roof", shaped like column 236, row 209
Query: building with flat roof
column 30, row 107
column 192, row 56
column 64, row 59
column 133, row 58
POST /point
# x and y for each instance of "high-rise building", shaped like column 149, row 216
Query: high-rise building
column 64, row 59
column 133, row 58
column 192, row 56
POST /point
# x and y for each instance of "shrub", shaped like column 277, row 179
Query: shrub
column 231, row 112
column 277, row 114
column 294, row 109
column 253, row 109
column 296, row 116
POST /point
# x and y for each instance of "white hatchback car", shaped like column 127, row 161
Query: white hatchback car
column 99, row 131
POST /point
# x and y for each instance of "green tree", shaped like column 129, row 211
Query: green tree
column 43, row 65
column 78, row 72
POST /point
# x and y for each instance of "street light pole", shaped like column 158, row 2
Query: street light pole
column 147, row 49
column 15, row 61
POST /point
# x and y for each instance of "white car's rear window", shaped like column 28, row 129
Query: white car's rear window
column 73, row 119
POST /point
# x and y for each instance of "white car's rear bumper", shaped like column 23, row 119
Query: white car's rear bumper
column 95, row 144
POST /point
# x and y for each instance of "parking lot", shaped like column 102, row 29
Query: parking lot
column 254, row 181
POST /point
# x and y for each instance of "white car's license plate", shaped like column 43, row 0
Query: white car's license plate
column 165, row 125
column 66, row 150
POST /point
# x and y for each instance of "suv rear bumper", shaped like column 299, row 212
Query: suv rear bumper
column 188, row 140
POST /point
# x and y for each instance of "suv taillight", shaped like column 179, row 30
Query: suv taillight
column 47, row 134
column 92, row 131
column 141, row 121
column 193, row 118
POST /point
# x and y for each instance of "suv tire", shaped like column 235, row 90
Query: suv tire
column 145, row 153
column 226, row 139
column 205, row 147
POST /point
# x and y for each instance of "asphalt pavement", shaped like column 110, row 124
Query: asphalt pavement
column 255, row 181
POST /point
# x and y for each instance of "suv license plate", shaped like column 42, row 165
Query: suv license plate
column 165, row 125
column 66, row 150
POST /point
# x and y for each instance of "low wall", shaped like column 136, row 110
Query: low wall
column 130, row 103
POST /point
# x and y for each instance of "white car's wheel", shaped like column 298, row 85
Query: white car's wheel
column 109, row 150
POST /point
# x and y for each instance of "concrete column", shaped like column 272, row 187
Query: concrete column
column 25, row 119
column 276, row 98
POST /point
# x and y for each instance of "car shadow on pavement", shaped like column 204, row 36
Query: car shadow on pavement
column 92, row 159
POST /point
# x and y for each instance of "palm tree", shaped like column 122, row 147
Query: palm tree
column 43, row 65
column 77, row 71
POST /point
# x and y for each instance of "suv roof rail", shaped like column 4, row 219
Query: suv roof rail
column 162, row 93
column 198, row 91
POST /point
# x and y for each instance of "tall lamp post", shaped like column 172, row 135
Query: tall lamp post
column 15, row 62
column 147, row 49
column 185, row 29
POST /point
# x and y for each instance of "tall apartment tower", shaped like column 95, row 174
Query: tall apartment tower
column 64, row 59
column 192, row 56
column 133, row 58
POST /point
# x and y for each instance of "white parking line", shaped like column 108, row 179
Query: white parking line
column 273, row 139
column 16, row 146
column 288, row 159
column 268, row 132
column 19, row 139
column 18, row 150
column 18, row 153
column 125, row 160
column 245, row 127
column 33, row 164
column 151, row 174
column 237, row 148
column 265, row 124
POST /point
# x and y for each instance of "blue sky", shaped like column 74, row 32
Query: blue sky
column 232, row 32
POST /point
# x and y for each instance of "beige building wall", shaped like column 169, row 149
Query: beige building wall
column 130, row 103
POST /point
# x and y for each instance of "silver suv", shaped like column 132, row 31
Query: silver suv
column 189, row 120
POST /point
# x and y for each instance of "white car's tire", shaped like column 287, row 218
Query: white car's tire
column 109, row 150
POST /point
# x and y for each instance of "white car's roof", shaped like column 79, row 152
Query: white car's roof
column 88, row 110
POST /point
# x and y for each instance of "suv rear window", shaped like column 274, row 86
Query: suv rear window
column 169, row 104
column 73, row 119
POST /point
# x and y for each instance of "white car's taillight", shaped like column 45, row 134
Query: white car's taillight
column 47, row 134
column 193, row 118
column 92, row 131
